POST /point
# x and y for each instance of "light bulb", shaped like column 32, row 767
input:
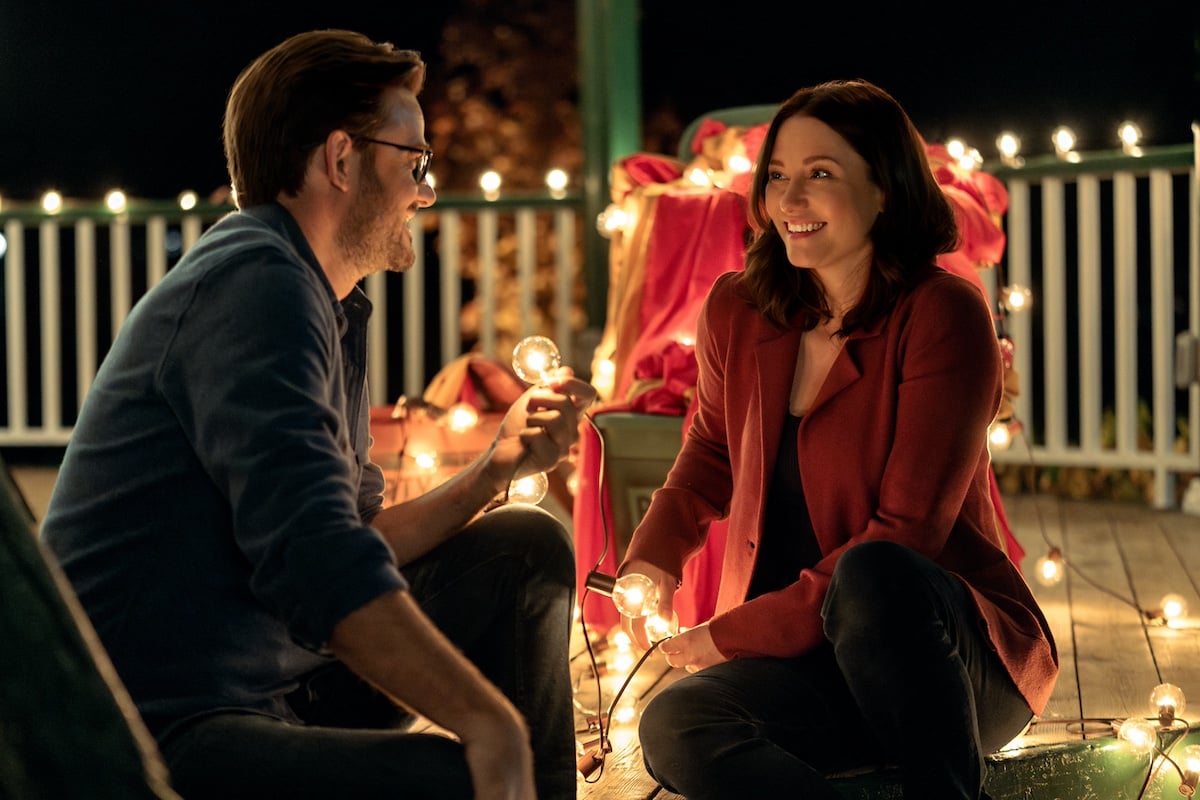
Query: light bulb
column 1049, row 569
column 461, row 417
column 531, row 489
column 1173, row 606
column 1140, row 734
column 659, row 627
column 999, row 435
column 635, row 595
column 1167, row 701
column 1016, row 297
column 1191, row 770
column 535, row 358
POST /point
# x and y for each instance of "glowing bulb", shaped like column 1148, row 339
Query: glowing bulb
column 1130, row 135
column 1016, row 297
column 1063, row 139
column 613, row 219
column 635, row 595
column 659, row 627
column 999, row 435
column 956, row 148
column 535, row 358
column 1009, row 146
column 738, row 162
column 431, row 179
column 490, row 183
column 116, row 201
column 1173, row 607
column 1049, row 568
column 1167, row 702
column 461, row 417
column 426, row 460
column 1191, row 770
column 52, row 202
column 1140, row 734
column 531, row 489
column 187, row 200
column 699, row 177
column 556, row 180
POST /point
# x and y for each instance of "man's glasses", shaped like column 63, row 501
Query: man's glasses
column 421, row 169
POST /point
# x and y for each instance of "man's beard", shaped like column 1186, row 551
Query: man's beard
column 370, row 238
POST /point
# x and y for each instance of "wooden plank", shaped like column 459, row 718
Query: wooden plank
column 1036, row 524
column 1156, row 569
column 1115, row 665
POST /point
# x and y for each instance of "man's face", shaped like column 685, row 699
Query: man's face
column 375, row 235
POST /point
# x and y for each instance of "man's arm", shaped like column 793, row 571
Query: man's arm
column 391, row 644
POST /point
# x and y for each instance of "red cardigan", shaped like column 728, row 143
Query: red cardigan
column 894, row 448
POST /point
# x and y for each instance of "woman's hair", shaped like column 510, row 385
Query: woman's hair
column 289, row 99
column 915, row 226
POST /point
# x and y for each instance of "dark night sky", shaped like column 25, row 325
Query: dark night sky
column 131, row 93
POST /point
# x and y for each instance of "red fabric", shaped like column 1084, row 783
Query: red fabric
column 707, row 129
column 697, row 235
column 643, row 169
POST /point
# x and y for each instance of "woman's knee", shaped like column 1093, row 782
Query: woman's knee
column 873, row 584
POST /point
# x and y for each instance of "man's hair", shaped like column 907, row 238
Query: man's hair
column 916, row 224
column 289, row 99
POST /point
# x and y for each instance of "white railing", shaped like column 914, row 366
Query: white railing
column 1110, row 245
column 70, row 279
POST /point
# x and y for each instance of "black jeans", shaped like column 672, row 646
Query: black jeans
column 908, row 679
column 502, row 590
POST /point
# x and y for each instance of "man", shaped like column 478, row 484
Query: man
column 221, row 522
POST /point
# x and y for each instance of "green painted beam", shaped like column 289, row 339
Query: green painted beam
column 610, row 101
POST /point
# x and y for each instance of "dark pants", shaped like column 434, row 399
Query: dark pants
column 908, row 680
column 502, row 591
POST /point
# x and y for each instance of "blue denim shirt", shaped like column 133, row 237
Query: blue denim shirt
column 213, row 503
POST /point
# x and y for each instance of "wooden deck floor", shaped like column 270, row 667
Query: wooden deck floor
column 1122, row 559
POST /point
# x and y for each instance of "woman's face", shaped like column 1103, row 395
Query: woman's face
column 820, row 197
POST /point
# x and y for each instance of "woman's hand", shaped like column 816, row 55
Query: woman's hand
column 692, row 649
column 665, row 582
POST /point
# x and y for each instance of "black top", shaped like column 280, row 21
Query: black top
column 788, row 543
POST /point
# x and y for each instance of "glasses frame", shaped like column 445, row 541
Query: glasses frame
column 421, row 169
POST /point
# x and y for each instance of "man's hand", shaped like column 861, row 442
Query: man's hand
column 500, row 759
column 540, row 427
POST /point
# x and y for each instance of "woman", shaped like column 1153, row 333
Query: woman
column 868, row 612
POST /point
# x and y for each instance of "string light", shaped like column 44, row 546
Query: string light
column 116, row 201
column 1140, row 734
column 556, row 182
column 1191, row 770
column 1130, row 135
column 535, row 359
column 52, row 202
column 1064, row 140
column 1016, row 298
column 1171, row 609
column 1050, row 569
column 1167, row 702
column 490, row 182
column 1008, row 144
